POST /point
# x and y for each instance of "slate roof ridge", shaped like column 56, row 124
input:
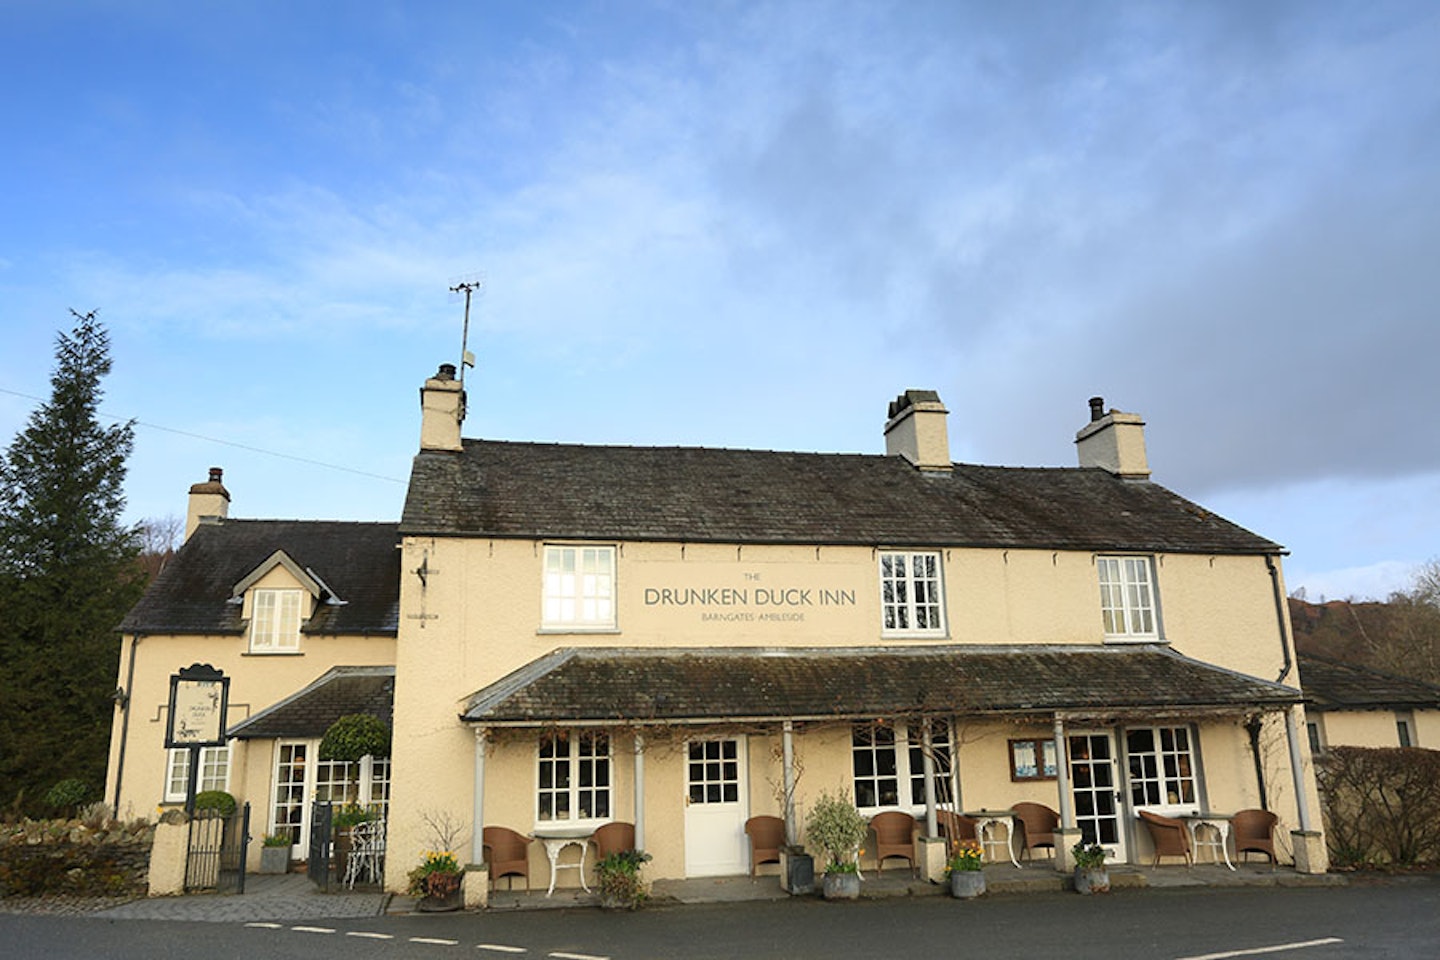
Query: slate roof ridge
column 334, row 673
column 1415, row 691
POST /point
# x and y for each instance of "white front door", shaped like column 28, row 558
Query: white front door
column 715, row 807
column 1095, row 791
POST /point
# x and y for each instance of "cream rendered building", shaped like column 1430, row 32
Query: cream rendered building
column 683, row 638
column 301, row 616
column 1354, row 706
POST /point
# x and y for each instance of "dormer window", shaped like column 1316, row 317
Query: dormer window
column 275, row 620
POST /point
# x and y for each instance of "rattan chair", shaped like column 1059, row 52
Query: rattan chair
column 508, row 854
column 955, row 827
column 615, row 837
column 1254, row 830
column 767, row 836
column 1037, row 823
column 894, row 837
column 1170, row 836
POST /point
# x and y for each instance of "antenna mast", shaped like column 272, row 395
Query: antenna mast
column 467, row 287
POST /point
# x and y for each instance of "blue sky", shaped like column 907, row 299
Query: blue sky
column 745, row 225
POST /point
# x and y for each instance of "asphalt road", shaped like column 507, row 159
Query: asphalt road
column 1392, row 919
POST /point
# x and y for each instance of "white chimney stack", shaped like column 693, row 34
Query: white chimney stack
column 1113, row 441
column 209, row 501
column 442, row 409
column 916, row 430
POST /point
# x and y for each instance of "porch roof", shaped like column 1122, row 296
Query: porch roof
column 309, row 712
column 679, row 685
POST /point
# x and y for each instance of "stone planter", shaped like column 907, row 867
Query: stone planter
column 797, row 871
column 275, row 859
column 1092, row 880
column 842, row 886
column 967, row 884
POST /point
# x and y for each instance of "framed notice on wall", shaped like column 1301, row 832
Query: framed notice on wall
column 199, row 695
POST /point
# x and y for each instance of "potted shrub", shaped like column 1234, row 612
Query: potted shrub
column 275, row 853
column 437, row 882
column 1090, row 873
column 618, row 880
column 838, row 829
column 967, row 870
column 354, row 736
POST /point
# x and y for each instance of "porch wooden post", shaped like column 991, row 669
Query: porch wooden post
column 477, row 834
column 787, row 747
column 639, row 790
column 927, row 761
column 1297, row 770
column 1062, row 776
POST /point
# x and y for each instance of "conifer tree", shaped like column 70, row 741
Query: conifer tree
column 67, row 577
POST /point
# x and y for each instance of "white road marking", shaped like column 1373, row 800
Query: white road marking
column 369, row 936
column 443, row 943
column 1278, row 948
column 577, row 956
column 313, row 929
column 499, row 948
column 266, row 926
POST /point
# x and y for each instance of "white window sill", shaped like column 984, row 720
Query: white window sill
column 576, row 628
column 915, row 634
column 273, row 653
column 1133, row 638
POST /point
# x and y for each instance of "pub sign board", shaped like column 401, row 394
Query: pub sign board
column 199, row 696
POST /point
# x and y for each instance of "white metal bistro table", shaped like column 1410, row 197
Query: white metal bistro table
column 985, row 823
column 557, row 839
column 1219, row 822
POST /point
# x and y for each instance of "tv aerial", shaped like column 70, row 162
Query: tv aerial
column 469, row 286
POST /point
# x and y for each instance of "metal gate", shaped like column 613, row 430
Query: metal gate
column 317, row 864
column 216, row 851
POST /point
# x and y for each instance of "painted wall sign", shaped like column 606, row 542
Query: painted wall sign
column 724, row 593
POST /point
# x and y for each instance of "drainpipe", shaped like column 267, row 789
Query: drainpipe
column 1253, row 724
column 1279, row 617
column 123, row 698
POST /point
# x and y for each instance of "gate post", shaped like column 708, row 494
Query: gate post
column 169, row 854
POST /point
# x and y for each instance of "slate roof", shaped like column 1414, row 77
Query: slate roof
column 1336, row 685
column 310, row 712
column 693, row 494
column 575, row 685
column 359, row 561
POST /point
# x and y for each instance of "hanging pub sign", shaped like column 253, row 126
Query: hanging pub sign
column 199, row 695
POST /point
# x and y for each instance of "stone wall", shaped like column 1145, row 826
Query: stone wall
column 71, row 858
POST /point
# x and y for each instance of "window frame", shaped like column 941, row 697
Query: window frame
column 1405, row 728
column 177, row 766
column 277, row 639
column 1186, row 769
column 906, row 763
column 553, row 618
column 1128, row 608
column 1043, row 756
column 601, row 766
column 910, row 604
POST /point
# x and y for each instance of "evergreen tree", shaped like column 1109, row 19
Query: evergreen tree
column 67, row 576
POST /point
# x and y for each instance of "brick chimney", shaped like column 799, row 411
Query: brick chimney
column 442, row 409
column 1114, row 441
column 916, row 430
column 209, row 501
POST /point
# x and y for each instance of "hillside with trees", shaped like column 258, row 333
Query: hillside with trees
column 1399, row 636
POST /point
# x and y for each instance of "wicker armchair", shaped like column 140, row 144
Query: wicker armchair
column 955, row 827
column 1038, row 823
column 894, row 837
column 1170, row 837
column 767, row 835
column 615, row 837
column 507, row 853
column 1254, row 830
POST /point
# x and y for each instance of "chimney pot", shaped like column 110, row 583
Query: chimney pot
column 1097, row 408
column 446, row 372
column 216, row 474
